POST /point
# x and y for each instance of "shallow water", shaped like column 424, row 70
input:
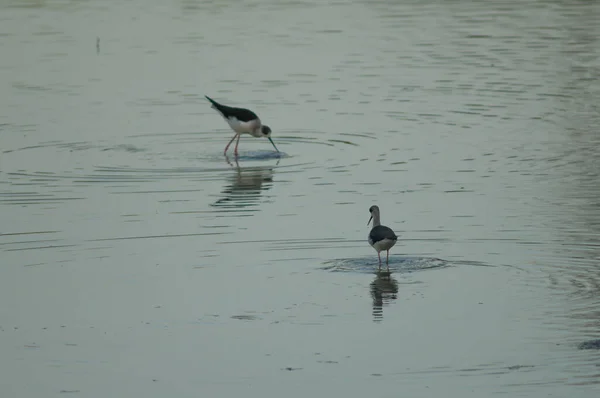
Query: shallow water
column 138, row 260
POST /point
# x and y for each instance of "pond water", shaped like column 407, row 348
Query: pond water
column 137, row 260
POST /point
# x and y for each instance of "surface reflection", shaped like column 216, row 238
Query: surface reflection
column 384, row 289
column 245, row 186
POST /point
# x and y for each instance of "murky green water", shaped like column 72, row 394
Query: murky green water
column 137, row 260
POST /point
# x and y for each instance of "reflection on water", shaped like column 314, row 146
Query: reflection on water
column 245, row 186
column 384, row 290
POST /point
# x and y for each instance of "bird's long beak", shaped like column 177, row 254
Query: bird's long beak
column 273, row 144
column 370, row 219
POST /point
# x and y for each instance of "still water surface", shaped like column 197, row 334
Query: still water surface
column 137, row 260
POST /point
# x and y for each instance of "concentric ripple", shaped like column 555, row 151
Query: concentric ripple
column 397, row 264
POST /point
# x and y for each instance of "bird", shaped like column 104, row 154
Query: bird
column 381, row 237
column 242, row 121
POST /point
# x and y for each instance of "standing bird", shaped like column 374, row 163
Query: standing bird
column 381, row 237
column 242, row 121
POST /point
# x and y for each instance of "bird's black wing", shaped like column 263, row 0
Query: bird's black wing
column 381, row 232
column 241, row 114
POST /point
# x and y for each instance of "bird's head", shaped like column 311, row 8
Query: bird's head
column 374, row 210
column 265, row 130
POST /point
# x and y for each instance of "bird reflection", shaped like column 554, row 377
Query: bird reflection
column 384, row 289
column 245, row 186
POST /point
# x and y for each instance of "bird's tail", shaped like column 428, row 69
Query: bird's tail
column 212, row 101
column 215, row 105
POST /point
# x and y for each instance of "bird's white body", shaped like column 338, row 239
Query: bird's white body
column 252, row 127
column 382, row 245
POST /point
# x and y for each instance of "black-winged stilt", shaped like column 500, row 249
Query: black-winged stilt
column 242, row 121
column 380, row 237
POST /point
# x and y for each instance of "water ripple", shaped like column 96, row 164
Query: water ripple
column 397, row 264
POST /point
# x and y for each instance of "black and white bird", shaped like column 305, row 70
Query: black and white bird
column 242, row 121
column 381, row 237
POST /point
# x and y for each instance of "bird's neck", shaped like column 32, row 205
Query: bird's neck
column 376, row 221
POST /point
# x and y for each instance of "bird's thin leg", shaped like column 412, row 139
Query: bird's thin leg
column 379, row 256
column 235, row 152
column 387, row 262
column 227, row 147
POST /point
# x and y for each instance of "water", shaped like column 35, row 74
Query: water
column 138, row 261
